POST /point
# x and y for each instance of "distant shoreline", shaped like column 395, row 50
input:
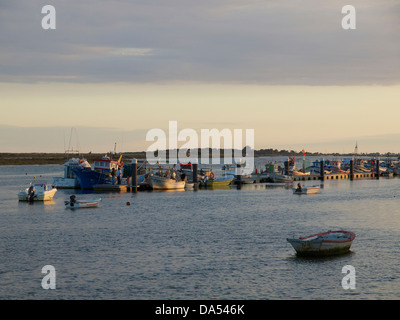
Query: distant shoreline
column 61, row 158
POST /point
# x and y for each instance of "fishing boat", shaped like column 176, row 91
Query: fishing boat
column 315, row 167
column 37, row 191
column 306, row 190
column 276, row 174
column 72, row 203
column 334, row 166
column 103, row 172
column 219, row 181
column 277, row 177
column 69, row 181
column 166, row 183
column 323, row 244
column 186, row 168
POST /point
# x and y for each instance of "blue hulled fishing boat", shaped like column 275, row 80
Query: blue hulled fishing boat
column 104, row 171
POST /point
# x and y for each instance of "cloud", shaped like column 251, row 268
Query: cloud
column 268, row 42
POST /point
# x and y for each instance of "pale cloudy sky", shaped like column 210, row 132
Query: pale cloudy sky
column 116, row 69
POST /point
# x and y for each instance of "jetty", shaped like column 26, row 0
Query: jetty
column 334, row 176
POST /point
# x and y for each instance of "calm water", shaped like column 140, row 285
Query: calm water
column 209, row 244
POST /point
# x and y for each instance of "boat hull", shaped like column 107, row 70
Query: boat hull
column 189, row 185
column 40, row 196
column 87, row 178
column 323, row 244
column 92, row 203
column 160, row 183
column 300, row 173
column 65, row 183
column 306, row 190
column 275, row 177
column 219, row 183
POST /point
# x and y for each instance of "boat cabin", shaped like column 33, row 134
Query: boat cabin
column 187, row 166
column 40, row 186
column 333, row 163
column 74, row 163
column 107, row 164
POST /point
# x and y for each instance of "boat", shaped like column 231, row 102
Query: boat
column 84, row 203
column 101, row 173
column 323, row 244
column 186, row 168
column 189, row 185
column 387, row 174
column 306, row 190
column 300, row 173
column 291, row 164
column 315, row 167
column 235, row 170
column 37, row 191
column 277, row 177
column 69, row 181
column 111, row 187
column 220, row 181
column 166, row 183
column 275, row 173
column 334, row 166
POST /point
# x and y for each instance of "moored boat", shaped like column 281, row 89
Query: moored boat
column 37, row 191
column 300, row 173
column 69, row 181
column 315, row 167
column 166, row 183
column 220, row 181
column 323, row 244
column 276, row 177
column 104, row 171
column 189, row 185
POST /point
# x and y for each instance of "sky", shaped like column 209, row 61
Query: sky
column 113, row 70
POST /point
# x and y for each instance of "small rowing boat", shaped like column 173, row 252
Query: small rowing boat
column 306, row 190
column 84, row 203
column 323, row 244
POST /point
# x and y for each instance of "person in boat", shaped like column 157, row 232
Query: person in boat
column 31, row 192
column 72, row 200
column 119, row 176
column 113, row 175
column 31, row 189
column 299, row 188
column 183, row 176
column 173, row 175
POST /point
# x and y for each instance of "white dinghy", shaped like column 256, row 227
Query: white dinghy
column 72, row 203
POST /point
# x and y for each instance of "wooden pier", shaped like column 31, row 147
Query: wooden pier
column 262, row 178
column 334, row 176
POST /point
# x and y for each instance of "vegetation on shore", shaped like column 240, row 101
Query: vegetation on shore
column 60, row 158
